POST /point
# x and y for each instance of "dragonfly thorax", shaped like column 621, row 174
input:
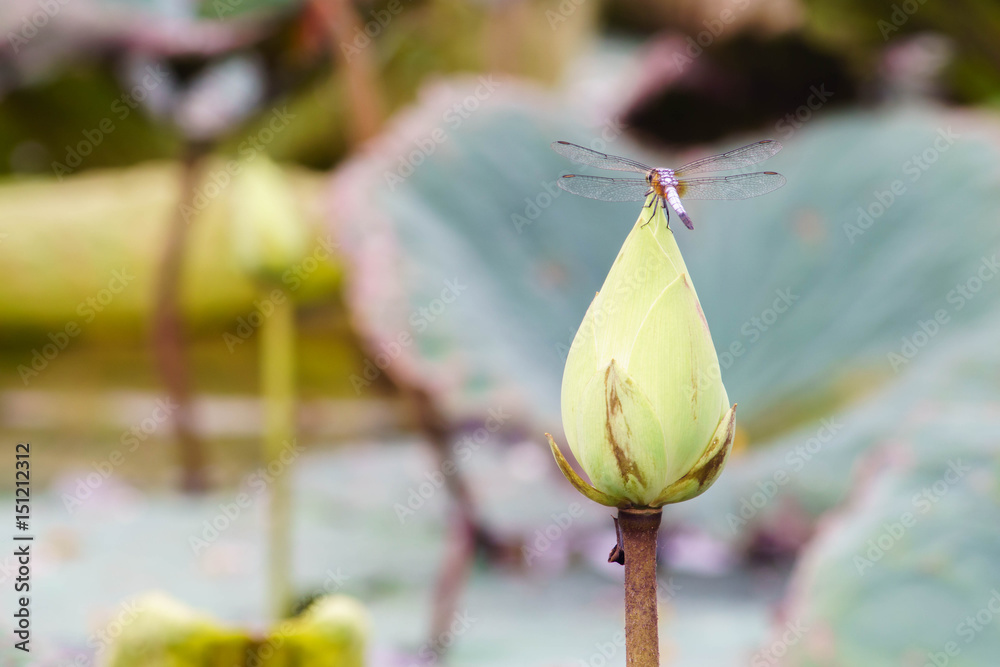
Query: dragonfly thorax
column 661, row 179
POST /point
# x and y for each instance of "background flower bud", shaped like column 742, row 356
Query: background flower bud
column 269, row 230
column 643, row 404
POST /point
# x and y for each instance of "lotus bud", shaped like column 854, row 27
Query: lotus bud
column 643, row 405
column 269, row 229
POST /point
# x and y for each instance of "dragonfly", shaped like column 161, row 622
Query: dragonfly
column 670, row 185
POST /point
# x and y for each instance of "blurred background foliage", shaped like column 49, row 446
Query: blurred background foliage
column 386, row 152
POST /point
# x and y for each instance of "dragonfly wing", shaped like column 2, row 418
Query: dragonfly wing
column 734, row 159
column 605, row 189
column 737, row 186
column 582, row 155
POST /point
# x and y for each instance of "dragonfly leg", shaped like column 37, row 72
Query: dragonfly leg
column 651, row 215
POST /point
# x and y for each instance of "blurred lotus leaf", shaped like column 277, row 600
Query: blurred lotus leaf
column 269, row 232
column 470, row 272
column 331, row 632
column 166, row 633
column 907, row 573
column 88, row 250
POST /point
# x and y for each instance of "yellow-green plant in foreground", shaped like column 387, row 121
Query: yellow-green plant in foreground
column 158, row 631
column 644, row 409
column 643, row 404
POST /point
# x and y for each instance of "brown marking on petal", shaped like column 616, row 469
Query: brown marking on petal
column 694, row 388
column 691, row 344
column 697, row 303
column 706, row 470
column 707, row 473
column 701, row 313
column 626, row 466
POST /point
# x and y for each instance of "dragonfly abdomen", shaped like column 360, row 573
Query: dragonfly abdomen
column 675, row 203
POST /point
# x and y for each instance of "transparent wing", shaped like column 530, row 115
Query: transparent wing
column 605, row 189
column 583, row 155
column 734, row 159
column 737, row 186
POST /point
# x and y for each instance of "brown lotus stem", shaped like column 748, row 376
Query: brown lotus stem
column 169, row 346
column 639, row 529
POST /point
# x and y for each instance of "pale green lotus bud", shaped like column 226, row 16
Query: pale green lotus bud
column 643, row 404
column 269, row 230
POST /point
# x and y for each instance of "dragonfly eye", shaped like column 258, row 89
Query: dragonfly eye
column 649, row 177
